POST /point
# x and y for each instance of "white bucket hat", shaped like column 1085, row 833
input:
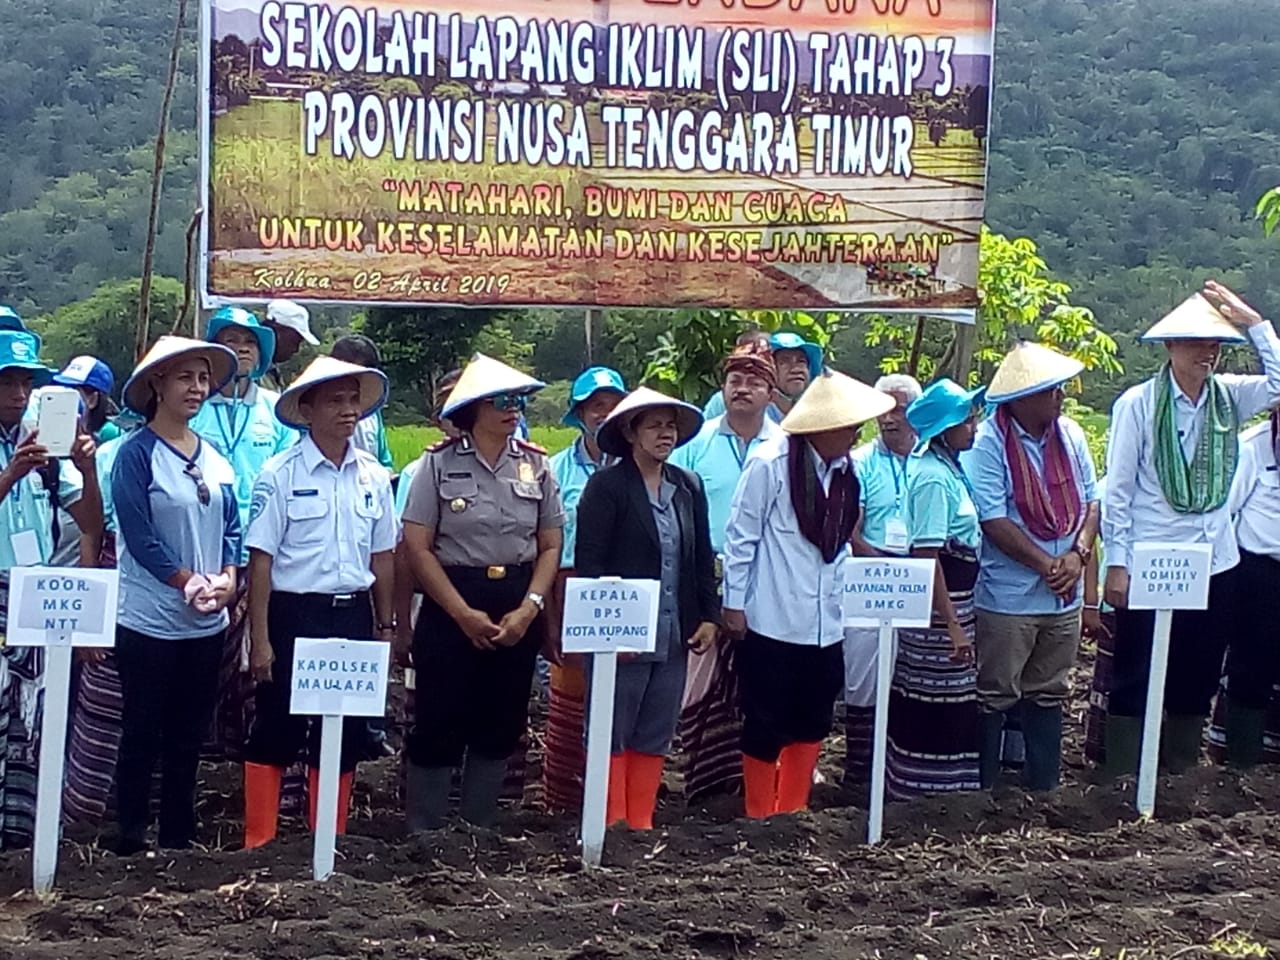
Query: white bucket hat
column 374, row 388
column 1194, row 319
column 486, row 377
column 610, row 436
column 835, row 401
column 222, row 366
column 286, row 313
column 1028, row 369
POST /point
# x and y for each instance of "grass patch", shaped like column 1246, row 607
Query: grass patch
column 408, row 442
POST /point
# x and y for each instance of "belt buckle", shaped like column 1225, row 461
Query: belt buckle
column 496, row 573
column 343, row 599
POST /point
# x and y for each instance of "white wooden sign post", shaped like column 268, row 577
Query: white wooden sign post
column 335, row 679
column 1163, row 577
column 604, row 618
column 57, row 608
column 886, row 593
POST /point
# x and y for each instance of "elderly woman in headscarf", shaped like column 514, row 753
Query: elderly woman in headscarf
column 594, row 395
column 645, row 519
column 933, row 703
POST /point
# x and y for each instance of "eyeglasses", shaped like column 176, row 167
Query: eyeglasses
column 202, row 488
column 511, row 401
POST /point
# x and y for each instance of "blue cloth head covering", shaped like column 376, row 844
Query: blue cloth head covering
column 793, row 341
column 942, row 406
column 235, row 317
column 590, row 382
column 21, row 349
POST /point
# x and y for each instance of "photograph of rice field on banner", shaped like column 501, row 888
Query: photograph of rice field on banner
column 413, row 151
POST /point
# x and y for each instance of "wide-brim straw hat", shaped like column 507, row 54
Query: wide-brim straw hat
column 1194, row 319
column 374, row 388
column 611, row 437
column 943, row 405
column 1031, row 368
column 835, row 401
column 222, row 367
column 486, row 377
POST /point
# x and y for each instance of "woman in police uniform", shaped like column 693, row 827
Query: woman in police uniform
column 482, row 533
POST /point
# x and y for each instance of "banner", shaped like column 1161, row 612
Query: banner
column 741, row 153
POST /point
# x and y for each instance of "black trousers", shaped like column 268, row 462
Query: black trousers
column 1253, row 656
column 469, row 699
column 788, row 693
column 277, row 736
column 1197, row 641
column 169, row 690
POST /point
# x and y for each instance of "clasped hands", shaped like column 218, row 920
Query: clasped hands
column 208, row 594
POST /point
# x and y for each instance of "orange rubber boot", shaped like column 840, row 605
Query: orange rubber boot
column 616, row 805
column 345, row 782
column 644, row 778
column 760, row 787
column 261, row 803
column 795, row 776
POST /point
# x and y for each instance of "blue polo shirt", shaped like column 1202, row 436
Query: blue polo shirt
column 882, row 483
column 164, row 527
column 247, row 434
column 1005, row 585
column 939, row 507
column 28, row 507
column 572, row 468
column 718, row 456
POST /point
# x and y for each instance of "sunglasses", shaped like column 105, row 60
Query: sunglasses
column 510, row 401
column 202, row 488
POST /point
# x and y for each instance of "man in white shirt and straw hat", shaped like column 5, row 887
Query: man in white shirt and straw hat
column 1035, row 487
column 785, row 549
column 1170, row 465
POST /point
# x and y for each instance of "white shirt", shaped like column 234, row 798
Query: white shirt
column 771, row 572
column 322, row 523
column 1134, row 507
column 1255, row 494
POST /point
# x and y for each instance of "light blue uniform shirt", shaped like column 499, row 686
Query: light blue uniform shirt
column 106, row 461
column 404, row 483
column 28, row 506
column 718, row 456
column 572, row 468
column 715, row 408
column 164, row 527
column 882, row 486
column 939, row 507
column 247, row 434
column 1005, row 585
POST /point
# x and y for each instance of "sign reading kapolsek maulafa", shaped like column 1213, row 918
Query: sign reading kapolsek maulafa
column 340, row 677
column 780, row 153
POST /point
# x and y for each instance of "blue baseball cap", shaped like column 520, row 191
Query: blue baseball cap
column 236, row 317
column 793, row 341
column 88, row 372
column 21, row 349
column 943, row 405
column 588, row 383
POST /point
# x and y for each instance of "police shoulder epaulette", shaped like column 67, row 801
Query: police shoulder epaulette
column 531, row 447
column 443, row 444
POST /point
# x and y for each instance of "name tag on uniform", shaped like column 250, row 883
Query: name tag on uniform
column 895, row 534
column 26, row 548
column 304, row 493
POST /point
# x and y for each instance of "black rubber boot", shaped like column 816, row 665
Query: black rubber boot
column 1245, row 729
column 482, row 780
column 990, row 742
column 1180, row 742
column 1042, row 731
column 426, row 797
column 1124, row 744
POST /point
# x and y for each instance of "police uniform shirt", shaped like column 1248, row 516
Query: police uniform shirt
column 485, row 515
column 322, row 523
column 27, row 511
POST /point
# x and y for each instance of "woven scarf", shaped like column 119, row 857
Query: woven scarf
column 1050, row 504
column 1202, row 485
column 826, row 518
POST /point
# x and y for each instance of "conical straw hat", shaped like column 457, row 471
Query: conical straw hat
column 610, row 436
column 486, row 377
column 1030, row 368
column 834, row 401
column 1194, row 319
column 222, row 365
column 373, row 388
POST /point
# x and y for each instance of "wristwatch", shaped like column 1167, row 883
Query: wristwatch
column 385, row 626
column 1085, row 553
column 538, row 601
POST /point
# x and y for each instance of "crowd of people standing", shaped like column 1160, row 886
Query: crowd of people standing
column 244, row 512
